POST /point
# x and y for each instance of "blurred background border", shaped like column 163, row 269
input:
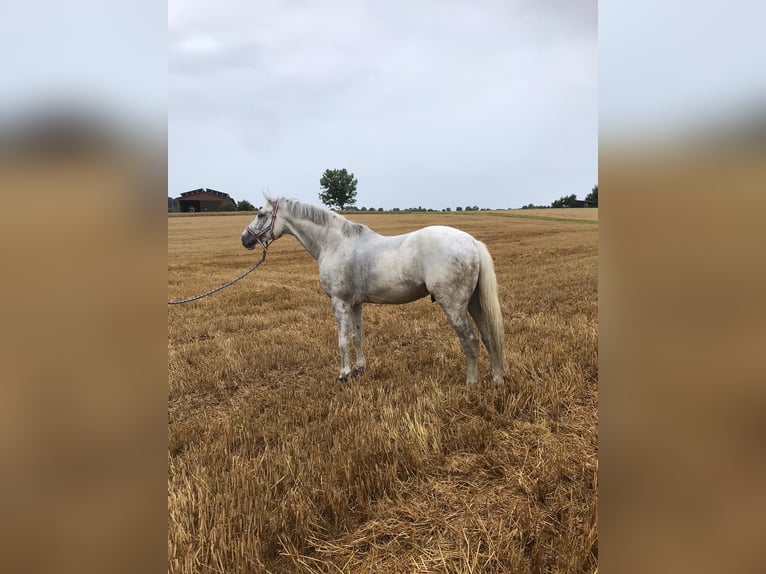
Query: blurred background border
column 83, row 172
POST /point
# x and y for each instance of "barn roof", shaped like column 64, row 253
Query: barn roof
column 203, row 191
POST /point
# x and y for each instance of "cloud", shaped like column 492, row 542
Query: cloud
column 427, row 100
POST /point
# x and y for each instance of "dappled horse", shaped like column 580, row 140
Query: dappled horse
column 358, row 265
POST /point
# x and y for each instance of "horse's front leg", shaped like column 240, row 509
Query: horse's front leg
column 361, row 363
column 343, row 315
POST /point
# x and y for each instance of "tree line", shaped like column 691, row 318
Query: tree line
column 338, row 191
column 591, row 200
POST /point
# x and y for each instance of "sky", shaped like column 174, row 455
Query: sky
column 85, row 54
column 666, row 67
column 433, row 103
column 496, row 103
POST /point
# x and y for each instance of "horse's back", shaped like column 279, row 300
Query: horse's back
column 443, row 244
column 402, row 268
column 451, row 260
column 444, row 233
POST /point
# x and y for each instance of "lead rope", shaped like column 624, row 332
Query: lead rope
column 245, row 274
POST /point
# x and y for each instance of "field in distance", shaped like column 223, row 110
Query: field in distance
column 273, row 468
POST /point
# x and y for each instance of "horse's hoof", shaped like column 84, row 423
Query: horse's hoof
column 343, row 379
column 358, row 372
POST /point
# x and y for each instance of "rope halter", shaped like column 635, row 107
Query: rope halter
column 259, row 236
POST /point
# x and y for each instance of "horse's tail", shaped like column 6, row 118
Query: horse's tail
column 492, row 316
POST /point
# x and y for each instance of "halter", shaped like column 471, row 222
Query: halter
column 270, row 229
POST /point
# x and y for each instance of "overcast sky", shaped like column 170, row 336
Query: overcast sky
column 433, row 103
column 667, row 66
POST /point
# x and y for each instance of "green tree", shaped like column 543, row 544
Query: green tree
column 245, row 205
column 338, row 188
column 566, row 201
column 593, row 196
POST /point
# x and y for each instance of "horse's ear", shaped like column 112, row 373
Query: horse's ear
column 269, row 199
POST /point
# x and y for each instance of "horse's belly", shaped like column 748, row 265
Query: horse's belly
column 394, row 294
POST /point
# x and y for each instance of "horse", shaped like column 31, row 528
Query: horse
column 358, row 266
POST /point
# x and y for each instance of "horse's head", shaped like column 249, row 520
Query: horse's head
column 266, row 227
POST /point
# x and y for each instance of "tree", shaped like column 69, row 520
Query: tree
column 593, row 196
column 566, row 201
column 338, row 188
column 245, row 205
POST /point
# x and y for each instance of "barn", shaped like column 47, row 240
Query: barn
column 205, row 199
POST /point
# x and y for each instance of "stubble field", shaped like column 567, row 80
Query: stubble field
column 274, row 468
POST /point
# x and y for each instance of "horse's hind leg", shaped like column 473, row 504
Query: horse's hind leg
column 495, row 355
column 458, row 318
column 343, row 316
column 361, row 363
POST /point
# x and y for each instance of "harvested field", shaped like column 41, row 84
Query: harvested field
column 274, row 468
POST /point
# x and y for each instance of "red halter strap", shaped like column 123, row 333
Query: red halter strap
column 269, row 229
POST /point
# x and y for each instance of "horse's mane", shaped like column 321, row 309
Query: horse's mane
column 322, row 217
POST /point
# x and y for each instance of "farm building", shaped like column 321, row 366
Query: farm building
column 205, row 199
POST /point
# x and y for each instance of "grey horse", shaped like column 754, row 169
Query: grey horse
column 358, row 265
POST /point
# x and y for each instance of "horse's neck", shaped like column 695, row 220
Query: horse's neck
column 314, row 237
